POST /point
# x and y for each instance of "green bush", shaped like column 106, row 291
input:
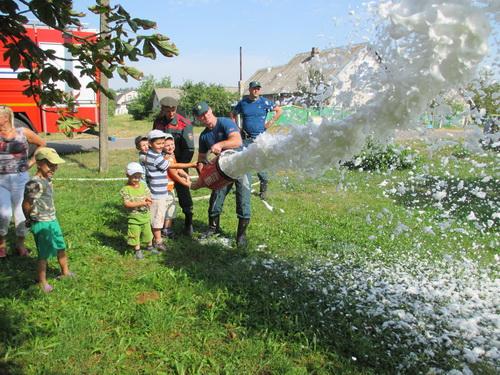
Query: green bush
column 378, row 157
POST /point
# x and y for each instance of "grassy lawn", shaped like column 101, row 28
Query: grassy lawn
column 351, row 272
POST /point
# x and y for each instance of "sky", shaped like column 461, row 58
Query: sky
column 210, row 33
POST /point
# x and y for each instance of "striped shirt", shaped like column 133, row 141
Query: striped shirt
column 156, row 174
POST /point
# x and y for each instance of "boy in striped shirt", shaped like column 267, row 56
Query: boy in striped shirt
column 157, row 180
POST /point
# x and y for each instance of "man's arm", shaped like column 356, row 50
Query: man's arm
column 278, row 111
column 187, row 144
column 233, row 141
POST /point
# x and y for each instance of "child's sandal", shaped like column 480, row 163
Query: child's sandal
column 23, row 252
column 71, row 274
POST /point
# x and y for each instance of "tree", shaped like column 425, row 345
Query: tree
column 142, row 107
column 216, row 96
column 100, row 54
column 484, row 91
column 315, row 92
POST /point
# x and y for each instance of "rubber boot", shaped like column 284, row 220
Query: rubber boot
column 241, row 237
column 263, row 190
column 188, row 224
column 213, row 227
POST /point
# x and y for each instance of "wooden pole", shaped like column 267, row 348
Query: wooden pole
column 103, row 107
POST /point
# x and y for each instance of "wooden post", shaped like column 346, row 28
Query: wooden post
column 103, row 107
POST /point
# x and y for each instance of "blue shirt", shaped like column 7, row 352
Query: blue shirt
column 220, row 132
column 254, row 114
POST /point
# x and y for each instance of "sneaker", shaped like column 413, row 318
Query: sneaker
column 138, row 254
column 161, row 246
column 47, row 288
column 168, row 233
column 152, row 250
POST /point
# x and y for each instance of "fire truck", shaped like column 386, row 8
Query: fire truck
column 27, row 113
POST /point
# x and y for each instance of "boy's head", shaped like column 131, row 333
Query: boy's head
column 47, row 160
column 141, row 143
column 134, row 173
column 156, row 140
column 169, row 147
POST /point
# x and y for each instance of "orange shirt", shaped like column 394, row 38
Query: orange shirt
column 171, row 182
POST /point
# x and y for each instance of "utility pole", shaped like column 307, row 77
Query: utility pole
column 103, row 107
column 240, row 82
column 240, row 85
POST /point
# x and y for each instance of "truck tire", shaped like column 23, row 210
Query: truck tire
column 18, row 123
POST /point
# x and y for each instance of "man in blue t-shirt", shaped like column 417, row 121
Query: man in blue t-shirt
column 254, row 110
column 223, row 134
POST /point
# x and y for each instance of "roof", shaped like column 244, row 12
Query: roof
column 121, row 95
column 162, row 92
column 283, row 79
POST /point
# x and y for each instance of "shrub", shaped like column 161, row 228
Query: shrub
column 379, row 157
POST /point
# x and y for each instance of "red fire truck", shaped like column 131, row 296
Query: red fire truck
column 27, row 113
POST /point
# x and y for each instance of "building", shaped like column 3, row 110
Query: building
column 122, row 100
column 160, row 93
column 316, row 76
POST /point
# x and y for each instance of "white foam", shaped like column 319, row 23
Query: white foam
column 427, row 47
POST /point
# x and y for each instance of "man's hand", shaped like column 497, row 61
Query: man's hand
column 216, row 149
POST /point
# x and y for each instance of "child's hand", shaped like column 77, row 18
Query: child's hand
column 27, row 223
column 148, row 201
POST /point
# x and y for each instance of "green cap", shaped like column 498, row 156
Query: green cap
column 169, row 102
column 255, row 84
column 200, row 109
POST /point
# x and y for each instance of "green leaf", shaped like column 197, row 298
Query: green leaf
column 71, row 80
column 145, row 24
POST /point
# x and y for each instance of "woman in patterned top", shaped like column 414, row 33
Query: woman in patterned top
column 14, row 165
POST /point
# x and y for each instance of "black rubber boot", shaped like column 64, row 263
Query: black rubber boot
column 241, row 237
column 188, row 224
column 213, row 227
column 263, row 190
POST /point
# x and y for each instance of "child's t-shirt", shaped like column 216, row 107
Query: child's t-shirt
column 171, row 182
column 42, row 192
column 156, row 174
column 142, row 162
column 136, row 194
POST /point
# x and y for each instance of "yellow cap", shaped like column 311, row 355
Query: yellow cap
column 49, row 154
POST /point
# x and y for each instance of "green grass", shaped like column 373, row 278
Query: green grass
column 295, row 302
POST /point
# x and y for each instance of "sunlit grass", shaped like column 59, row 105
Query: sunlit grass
column 327, row 270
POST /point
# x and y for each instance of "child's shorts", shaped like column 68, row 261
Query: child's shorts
column 139, row 230
column 171, row 212
column 48, row 238
column 157, row 209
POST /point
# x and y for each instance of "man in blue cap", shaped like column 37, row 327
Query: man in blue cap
column 254, row 110
column 223, row 134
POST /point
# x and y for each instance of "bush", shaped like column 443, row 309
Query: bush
column 378, row 157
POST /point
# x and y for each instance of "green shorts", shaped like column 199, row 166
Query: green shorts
column 48, row 238
column 139, row 229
